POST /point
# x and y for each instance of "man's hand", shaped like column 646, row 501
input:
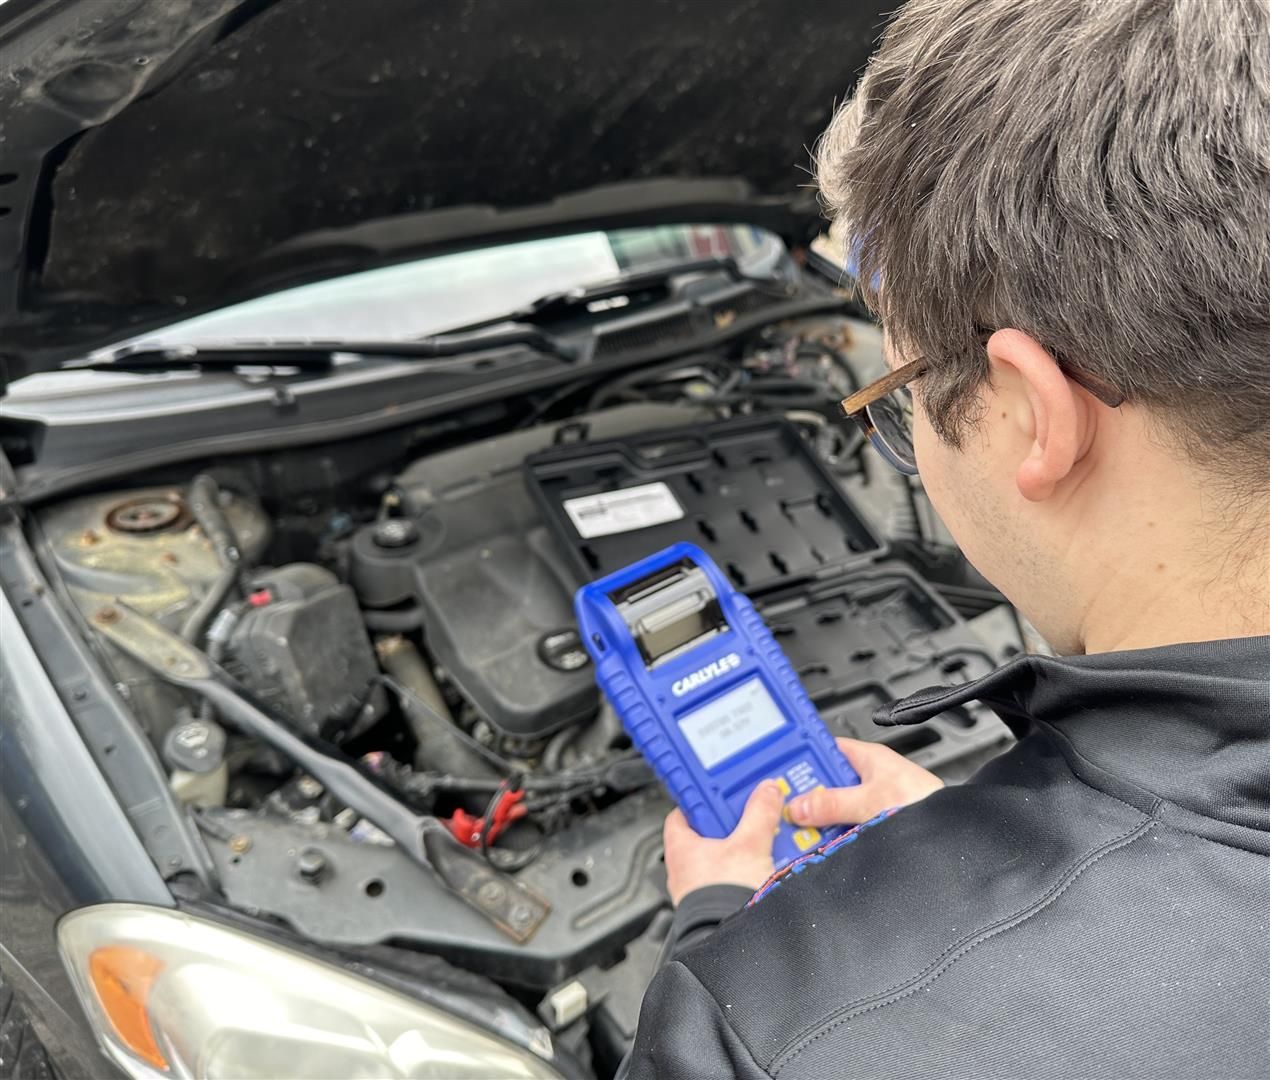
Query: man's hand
column 744, row 858
column 887, row 779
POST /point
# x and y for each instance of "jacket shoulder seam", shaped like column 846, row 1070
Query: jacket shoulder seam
column 1069, row 751
column 1158, row 805
column 900, row 991
column 1170, row 827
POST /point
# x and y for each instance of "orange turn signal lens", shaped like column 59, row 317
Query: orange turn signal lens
column 122, row 978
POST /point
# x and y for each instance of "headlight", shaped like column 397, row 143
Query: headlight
column 175, row 996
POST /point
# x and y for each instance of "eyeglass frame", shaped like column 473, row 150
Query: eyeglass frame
column 856, row 407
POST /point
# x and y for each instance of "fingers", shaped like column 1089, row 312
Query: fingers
column 887, row 779
column 762, row 815
column 838, row 806
column 867, row 758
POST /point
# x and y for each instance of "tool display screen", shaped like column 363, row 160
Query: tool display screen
column 730, row 723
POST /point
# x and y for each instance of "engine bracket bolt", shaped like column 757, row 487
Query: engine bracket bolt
column 491, row 893
column 311, row 863
column 308, row 787
column 240, row 844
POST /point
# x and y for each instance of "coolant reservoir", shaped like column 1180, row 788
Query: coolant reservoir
column 195, row 752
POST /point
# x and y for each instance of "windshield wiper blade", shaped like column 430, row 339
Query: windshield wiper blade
column 320, row 355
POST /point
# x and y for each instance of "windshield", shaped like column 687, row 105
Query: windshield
column 430, row 296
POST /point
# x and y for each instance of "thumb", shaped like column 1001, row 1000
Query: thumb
column 837, row 806
column 762, row 815
column 676, row 829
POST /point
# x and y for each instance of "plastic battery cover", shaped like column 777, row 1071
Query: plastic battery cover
column 748, row 492
column 878, row 634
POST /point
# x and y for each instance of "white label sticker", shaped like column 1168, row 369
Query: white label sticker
column 623, row 511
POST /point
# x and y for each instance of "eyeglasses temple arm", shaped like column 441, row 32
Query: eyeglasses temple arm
column 877, row 390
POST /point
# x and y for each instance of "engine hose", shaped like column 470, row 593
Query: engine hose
column 556, row 746
column 204, row 503
column 439, row 747
column 400, row 621
column 202, row 612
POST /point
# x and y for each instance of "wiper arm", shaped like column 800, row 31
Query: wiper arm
column 523, row 328
column 626, row 291
column 320, row 355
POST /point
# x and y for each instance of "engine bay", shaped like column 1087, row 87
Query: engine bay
column 417, row 619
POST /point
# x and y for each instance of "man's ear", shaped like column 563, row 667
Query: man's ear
column 1049, row 412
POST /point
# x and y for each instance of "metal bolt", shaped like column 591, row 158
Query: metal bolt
column 311, row 863
column 240, row 844
column 491, row 893
column 520, row 915
column 308, row 787
column 107, row 616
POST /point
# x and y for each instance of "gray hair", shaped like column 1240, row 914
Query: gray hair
column 1093, row 172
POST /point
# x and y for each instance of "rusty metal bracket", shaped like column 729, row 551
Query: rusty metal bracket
column 514, row 909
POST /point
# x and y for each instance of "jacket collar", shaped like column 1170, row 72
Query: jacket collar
column 1183, row 725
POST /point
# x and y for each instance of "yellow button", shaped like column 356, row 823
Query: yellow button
column 806, row 838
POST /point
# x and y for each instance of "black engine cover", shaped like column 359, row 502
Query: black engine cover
column 492, row 582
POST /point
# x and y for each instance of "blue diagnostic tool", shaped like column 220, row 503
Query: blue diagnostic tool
column 706, row 694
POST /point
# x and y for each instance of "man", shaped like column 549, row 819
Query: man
column 1061, row 212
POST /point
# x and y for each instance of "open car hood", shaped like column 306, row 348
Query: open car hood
column 160, row 158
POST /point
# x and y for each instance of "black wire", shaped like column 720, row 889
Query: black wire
column 404, row 692
column 827, row 350
column 487, row 818
column 507, row 860
column 782, row 386
column 552, row 400
column 649, row 375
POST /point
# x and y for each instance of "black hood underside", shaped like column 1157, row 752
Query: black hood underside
column 274, row 122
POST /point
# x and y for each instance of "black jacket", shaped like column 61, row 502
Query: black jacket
column 1094, row 903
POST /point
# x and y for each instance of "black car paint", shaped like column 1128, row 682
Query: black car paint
column 163, row 158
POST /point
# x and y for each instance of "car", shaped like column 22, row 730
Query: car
column 341, row 345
